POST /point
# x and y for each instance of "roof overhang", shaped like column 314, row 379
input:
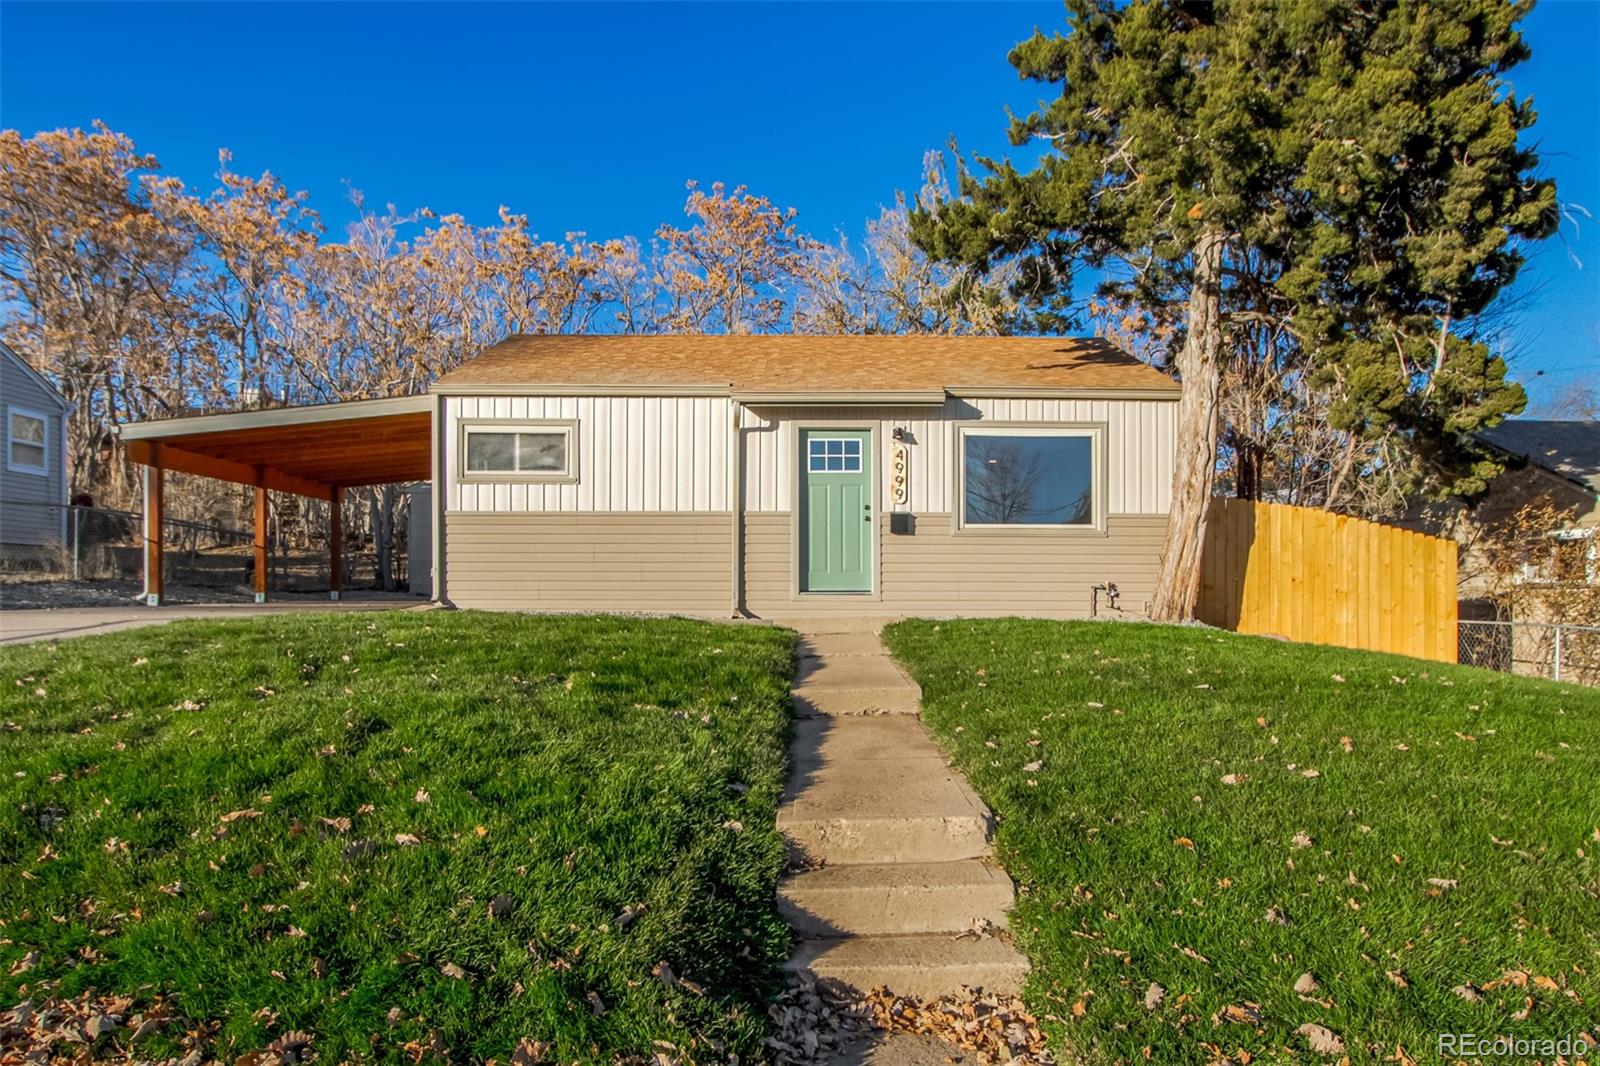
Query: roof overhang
column 880, row 398
column 304, row 450
column 1022, row 392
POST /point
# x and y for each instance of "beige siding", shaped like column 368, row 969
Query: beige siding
column 936, row 572
column 635, row 453
column 1141, row 439
column 591, row 562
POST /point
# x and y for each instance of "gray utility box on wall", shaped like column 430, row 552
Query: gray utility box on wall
column 902, row 523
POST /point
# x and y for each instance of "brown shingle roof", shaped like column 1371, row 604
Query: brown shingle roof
column 792, row 364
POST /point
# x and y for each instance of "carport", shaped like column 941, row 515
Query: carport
column 316, row 452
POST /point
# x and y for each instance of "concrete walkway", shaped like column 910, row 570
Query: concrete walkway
column 890, row 845
column 29, row 626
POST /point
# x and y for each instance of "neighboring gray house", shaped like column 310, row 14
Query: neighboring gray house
column 33, row 479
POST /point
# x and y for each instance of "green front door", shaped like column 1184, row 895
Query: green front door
column 836, row 520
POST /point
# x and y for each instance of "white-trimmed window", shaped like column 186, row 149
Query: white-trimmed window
column 1039, row 477
column 27, row 441
column 833, row 455
column 519, row 452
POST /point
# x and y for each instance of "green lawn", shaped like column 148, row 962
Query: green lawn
column 403, row 828
column 1219, row 815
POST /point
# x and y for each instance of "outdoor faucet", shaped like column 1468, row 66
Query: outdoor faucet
column 1110, row 589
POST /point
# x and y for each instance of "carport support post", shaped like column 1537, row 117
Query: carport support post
column 153, row 514
column 335, row 547
column 261, row 536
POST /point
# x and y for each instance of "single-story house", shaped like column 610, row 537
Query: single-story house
column 768, row 476
column 33, row 480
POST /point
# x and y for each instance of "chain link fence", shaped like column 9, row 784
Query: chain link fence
column 84, row 544
column 1551, row 650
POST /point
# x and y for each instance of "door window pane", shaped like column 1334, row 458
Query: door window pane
column 833, row 455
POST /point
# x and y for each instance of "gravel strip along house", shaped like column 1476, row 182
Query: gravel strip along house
column 769, row 476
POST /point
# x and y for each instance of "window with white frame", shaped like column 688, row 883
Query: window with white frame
column 522, row 452
column 27, row 441
column 833, row 455
column 1044, row 477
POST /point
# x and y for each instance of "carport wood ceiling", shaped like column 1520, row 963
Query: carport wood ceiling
column 304, row 450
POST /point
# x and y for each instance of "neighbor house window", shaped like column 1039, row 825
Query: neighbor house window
column 833, row 455
column 1041, row 477
column 524, row 452
column 27, row 441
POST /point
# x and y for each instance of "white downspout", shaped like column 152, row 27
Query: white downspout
column 736, row 506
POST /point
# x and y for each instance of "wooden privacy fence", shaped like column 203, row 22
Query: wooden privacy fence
column 1309, row 575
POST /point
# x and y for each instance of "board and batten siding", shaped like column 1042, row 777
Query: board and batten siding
column 32, row 507
column 662, row 453
column 635, row 454
column 1141, row 440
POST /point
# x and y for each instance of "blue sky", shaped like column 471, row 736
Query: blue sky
column 592, row 116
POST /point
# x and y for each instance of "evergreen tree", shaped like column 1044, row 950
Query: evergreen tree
column 1348, row 170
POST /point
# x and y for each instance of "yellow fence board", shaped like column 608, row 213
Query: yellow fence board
column 1310, row 575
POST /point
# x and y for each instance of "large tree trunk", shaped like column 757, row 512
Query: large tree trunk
column 1178, row 582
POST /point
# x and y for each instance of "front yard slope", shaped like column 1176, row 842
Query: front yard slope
column 1221, row 840
column 405, row 834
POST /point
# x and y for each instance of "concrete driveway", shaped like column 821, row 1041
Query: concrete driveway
column 29, row 626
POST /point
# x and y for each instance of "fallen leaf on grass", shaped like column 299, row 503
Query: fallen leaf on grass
column 1240, row 1014
column 1397, row 978
column 596, row 1004
column 528, row 1052
column 1321, row 1039
column 1470, row 993
column 1347, row 744
column 1300, row 840
column 1232, row 779
column 1508, row 979
column 1192, row 953
column 1442, row 883
column 1309, row 772
column 234, row 816
column 405, row 840
column 340, row 824
column 1184, row 842
column 422, row 796
column 1276, row 916
column 1153, row 996
column 1305, row 984
column 453, row 971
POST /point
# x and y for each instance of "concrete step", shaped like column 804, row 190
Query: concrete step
column 884, row 810
column 818, row 624
column 854, row 684
column 913, row 897
column 834, row 645
column 926, row 965
column 826, row 742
